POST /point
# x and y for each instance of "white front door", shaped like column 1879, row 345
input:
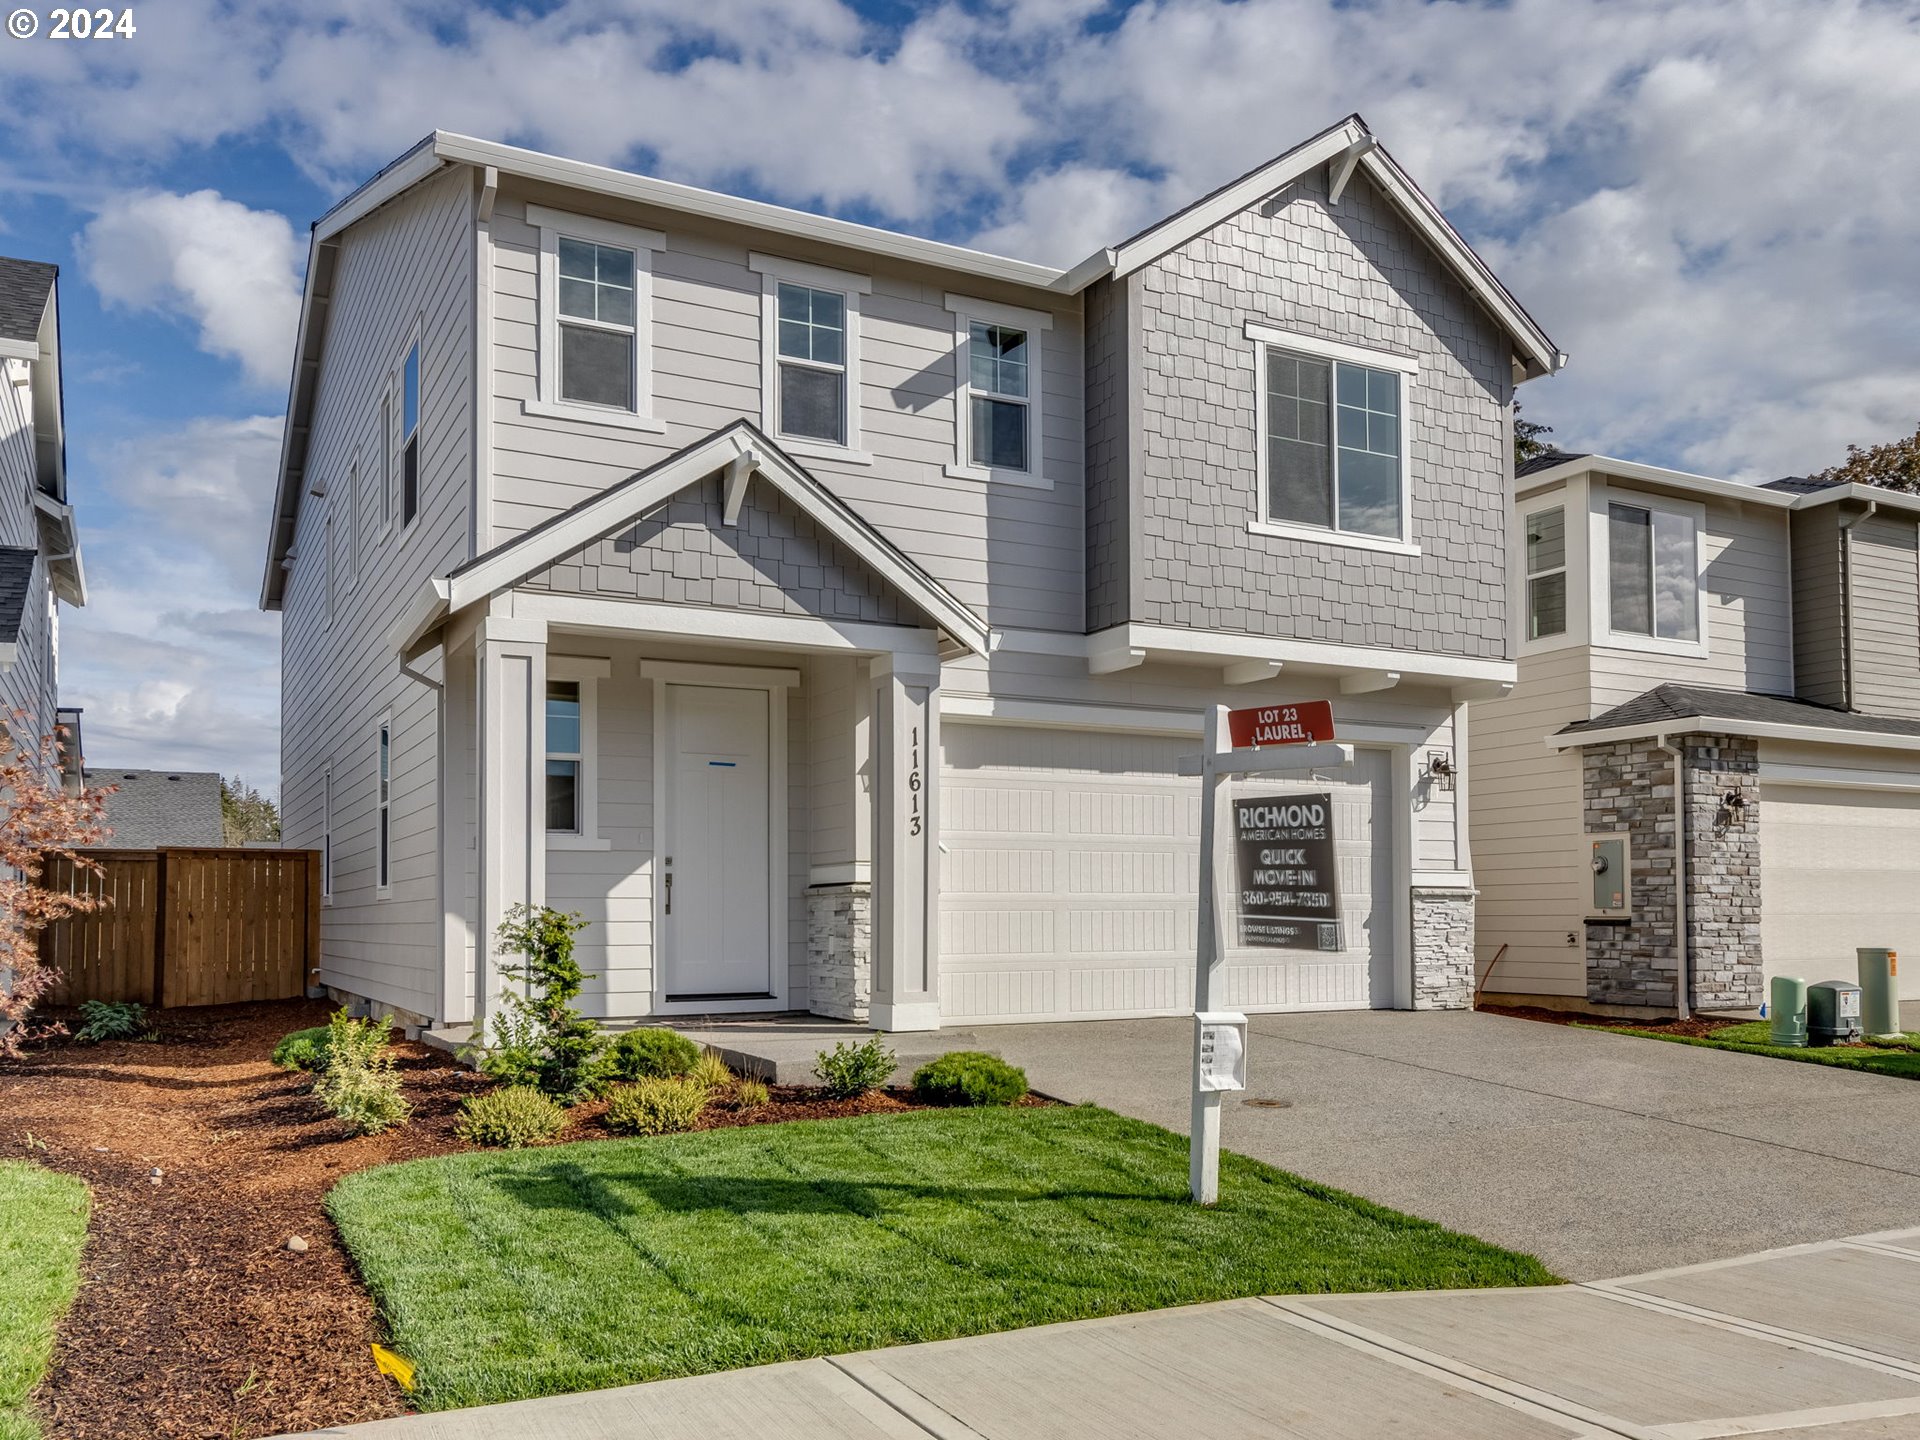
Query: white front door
column 716, row 846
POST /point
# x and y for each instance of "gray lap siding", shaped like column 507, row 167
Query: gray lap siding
column 1354, row 273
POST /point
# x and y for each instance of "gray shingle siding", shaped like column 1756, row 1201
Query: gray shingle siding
column 1356, row 273
column 1109, row 556
column 775, row 560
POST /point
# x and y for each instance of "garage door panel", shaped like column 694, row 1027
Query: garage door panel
column 1120, row 881
column 1840, row 869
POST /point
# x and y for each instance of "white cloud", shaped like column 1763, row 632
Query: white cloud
column 230, row 271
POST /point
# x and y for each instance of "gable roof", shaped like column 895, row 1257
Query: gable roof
column 745, row 454
column 25, row 288
column 1675, row 708
column 151, row 808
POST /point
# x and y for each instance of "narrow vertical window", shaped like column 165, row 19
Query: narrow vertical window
column 386, row 455
column 999, row 431
column 597, row 324
column 326, row 833
column 812, row 394
column 1546, row 573
column 383, row 857
column 564, row 756
column 329, row 562
column 410, row 436
column 353, row 523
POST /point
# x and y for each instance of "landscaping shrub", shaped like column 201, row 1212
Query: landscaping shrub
column 111, row 1020
column 566, row 1045
column 302, row 1050
column 969, row 1077
column 510, row 1118
column 514, row 1056
column 752, row 1095
column 359, row 1084
column 849, row 1070
column 653, row 1054
column 711, row 1071
column 656, row 1106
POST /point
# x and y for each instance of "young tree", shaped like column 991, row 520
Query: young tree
column 1892, row 466
column 246, row 816
column 1527, row 444
column 39, row 820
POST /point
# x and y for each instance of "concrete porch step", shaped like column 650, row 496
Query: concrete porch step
column 781, row 1049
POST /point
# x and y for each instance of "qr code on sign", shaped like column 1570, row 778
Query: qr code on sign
column 1330, row 935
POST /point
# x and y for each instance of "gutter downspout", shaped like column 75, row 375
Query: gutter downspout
column 1683, row 979
column 1846, row 599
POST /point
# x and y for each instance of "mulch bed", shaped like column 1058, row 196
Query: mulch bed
column 194, row 1320
column 1695, row 1028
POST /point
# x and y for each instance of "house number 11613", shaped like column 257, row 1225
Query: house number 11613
column 913, row 781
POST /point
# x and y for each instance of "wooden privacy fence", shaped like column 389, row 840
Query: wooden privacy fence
column 188, row 927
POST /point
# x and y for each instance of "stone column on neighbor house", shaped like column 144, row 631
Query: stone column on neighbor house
column 1442, row 948
column 1723, row 871
column 510, row 680
column 906, row 826
column 1628, row 789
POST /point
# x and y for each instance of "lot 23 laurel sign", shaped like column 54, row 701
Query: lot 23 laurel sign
column 1289, row 893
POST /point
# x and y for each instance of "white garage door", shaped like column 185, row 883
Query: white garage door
column 1071, row 869
column 1840, row 868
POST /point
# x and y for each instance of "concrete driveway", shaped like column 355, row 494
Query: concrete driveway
column 1602, row 1154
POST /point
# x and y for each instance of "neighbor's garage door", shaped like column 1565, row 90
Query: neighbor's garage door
column 1070, row 874
column 1839, row 868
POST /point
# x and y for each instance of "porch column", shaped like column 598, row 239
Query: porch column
column 511, row 689
column 906, row 830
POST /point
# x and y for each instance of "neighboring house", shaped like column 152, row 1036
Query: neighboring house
column 1754, row 650
column 39, row 545
column 823, row 612
column 149, row 809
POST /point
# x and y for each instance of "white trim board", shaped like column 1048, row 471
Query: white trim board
column 1162, row 642
column 1747, row 729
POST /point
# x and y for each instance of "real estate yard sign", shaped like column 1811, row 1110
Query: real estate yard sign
column 1289, row 891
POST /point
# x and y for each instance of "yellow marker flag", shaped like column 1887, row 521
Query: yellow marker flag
column 398, row 1366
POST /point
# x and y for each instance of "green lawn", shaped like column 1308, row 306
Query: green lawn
column 43, row 1224
column 535, row 1272
column 1902, row 1061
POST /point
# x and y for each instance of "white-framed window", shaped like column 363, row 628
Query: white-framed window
column 330, row 560
column 410, row 434
column 1545, row 553
column 1652, row 572
column 572, row 745
column 386, row 455
column 1333, row 441
column 810, row 357
column 999, row 403
column 353, row 521
column 383, row 806
column 326, row 833
column 596, row 315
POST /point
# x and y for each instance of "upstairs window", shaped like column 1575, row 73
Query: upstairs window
column 410, row 436
column 597, row 324
column 1546, row 573
column 997, row 366
column 1653, row 575
column 812, row 399
column 386, row 456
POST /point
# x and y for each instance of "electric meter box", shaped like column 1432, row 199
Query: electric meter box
column 1833, row 1012
column 1610, row 867
column 1220, row 1051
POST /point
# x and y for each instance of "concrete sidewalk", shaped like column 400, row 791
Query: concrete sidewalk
column 1820, row 1341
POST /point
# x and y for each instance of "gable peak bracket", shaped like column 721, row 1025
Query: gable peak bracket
column 1340, row 169
column 738, row 471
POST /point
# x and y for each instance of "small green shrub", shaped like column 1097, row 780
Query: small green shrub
column 653, row 1053
column 656, row 1106
column 111, row 1020
column 566, row 1045
column 969, row 1077
column 302, row 1050
column 360, row 1084
column 849, row 1070
column 752, row 1095
column 514, row 1056
column 711, row 1071
column 511, row 1117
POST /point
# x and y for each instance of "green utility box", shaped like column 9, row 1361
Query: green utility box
column 1833, row 1012
column 1788, row 1011
column 1879, row 991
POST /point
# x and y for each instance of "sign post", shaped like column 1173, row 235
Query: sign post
column 1289, row 904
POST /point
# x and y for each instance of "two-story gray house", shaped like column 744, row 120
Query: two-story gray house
column 1709, row 772
column 39, row 543
column 823, row 612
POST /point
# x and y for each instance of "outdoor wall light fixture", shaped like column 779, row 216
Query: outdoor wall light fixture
column 1733, row 809
column 1439, row 771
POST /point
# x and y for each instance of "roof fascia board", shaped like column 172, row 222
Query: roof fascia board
column 1096, row 266
column 1163, row 642
column 19, row 350
column 397, row 178
column 1867, row 494
column 293, row 438
column 572, row 532
column 1604, row 467
column 1747, row 729
column 712, row 205
column 1283, row 170
column 65, row 566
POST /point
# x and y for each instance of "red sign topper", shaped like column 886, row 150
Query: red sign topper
column 1300, row 724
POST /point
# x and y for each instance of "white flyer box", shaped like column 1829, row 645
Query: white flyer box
column 1219, row 1051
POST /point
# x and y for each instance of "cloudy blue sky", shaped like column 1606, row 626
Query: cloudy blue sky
column 1713, row 206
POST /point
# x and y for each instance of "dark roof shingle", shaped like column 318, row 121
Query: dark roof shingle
column 1667, row 704
column 24, row 287
column 1544, row 462
column 16, row 578
column 1799, row 485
